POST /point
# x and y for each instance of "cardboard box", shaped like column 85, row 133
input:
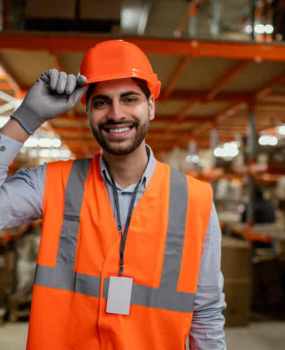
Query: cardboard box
column 236, row 258
column 236, row 268
column 238, row 296
column 267, row 281
column 47, row 9
column 7, row 271
column 100, row 10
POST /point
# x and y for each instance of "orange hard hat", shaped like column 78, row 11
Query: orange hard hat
column 116, row 59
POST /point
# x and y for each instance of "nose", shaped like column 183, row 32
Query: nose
column 116, row 111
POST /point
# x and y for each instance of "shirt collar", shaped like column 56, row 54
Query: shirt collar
column 146, row 175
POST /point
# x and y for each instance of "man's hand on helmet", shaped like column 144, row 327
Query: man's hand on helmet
column 53, row 94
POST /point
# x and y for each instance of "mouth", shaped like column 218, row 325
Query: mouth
column 118, row 131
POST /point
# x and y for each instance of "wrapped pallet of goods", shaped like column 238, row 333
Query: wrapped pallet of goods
column 27, row 246
column 8, row 258
column 236, row 267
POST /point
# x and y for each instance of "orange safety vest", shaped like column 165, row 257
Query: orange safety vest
column 79, row 251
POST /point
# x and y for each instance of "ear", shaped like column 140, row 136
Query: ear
column 151, row 106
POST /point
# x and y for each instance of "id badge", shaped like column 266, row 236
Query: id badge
column 119, row 295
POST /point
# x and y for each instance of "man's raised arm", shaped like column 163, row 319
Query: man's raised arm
column 21, row 195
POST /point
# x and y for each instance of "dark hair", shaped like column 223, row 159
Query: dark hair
column 141, row 83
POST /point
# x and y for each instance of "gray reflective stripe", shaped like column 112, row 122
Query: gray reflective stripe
column 67, row 279
column 166, row 297
column 175, row 231
column 158, row 298
column 73, row 199
column 64, row 277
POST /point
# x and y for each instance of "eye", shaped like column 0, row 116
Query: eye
column 99, row 103
column 130, row 99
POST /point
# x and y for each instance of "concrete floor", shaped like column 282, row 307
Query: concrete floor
column 258, row 336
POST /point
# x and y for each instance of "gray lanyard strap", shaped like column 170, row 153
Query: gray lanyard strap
column 128, row 221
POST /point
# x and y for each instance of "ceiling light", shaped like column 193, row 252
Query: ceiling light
column 281, row 130
column 227, row 150
column 268, row 140
column 192, row 159
column 31, row 142
column 269, row 29
column 34, row 153
column 66, row 153
column 44, row 153
column 44, row 142
column 56, row 143
column 248, row 29
column 259, row 28
column 130, row 17
column 3, row 121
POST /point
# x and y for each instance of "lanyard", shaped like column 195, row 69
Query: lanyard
column 130, row 212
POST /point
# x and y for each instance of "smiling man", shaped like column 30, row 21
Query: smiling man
column 130, row 249
column 122, row 117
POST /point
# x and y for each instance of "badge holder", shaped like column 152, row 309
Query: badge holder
column 119, row 295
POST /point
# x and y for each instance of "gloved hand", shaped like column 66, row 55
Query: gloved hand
column 53, row 93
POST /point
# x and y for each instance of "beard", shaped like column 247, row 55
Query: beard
column 120, row 147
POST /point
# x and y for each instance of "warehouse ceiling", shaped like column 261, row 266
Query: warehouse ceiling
column 206, row 84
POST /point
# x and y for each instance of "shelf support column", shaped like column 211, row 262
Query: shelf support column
column 192, row 24
column 214, row 140
column 251, row 160
column 216, row 21
column 252, row 9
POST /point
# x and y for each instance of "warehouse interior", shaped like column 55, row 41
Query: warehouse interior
column 220, row 118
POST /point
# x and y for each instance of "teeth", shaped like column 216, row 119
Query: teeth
column 120, row 130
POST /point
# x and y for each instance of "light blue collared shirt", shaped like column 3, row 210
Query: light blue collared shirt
column 125, row 195
column 21, row 198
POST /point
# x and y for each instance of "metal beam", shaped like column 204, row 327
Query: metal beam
column 271, row 105
column 181, row 116
column 277, row 96
column 186, row 18
column 196, row 119
column 225, row 114
column 174, row 47
column 56, row 61
column 181, row 95
column 5, row 86
column 18, row 91
column 269, row 87
column 175, row 77
column 224, row 80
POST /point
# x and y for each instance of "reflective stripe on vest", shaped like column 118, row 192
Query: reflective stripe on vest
column 64, row 277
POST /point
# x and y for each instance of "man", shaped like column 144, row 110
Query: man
column 130, row 249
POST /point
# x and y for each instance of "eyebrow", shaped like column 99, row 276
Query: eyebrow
column 105, row 97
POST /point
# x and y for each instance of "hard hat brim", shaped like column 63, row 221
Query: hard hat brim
column 152, row 82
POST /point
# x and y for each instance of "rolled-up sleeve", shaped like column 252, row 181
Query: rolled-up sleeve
column 207, row 329
column 21, row 195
